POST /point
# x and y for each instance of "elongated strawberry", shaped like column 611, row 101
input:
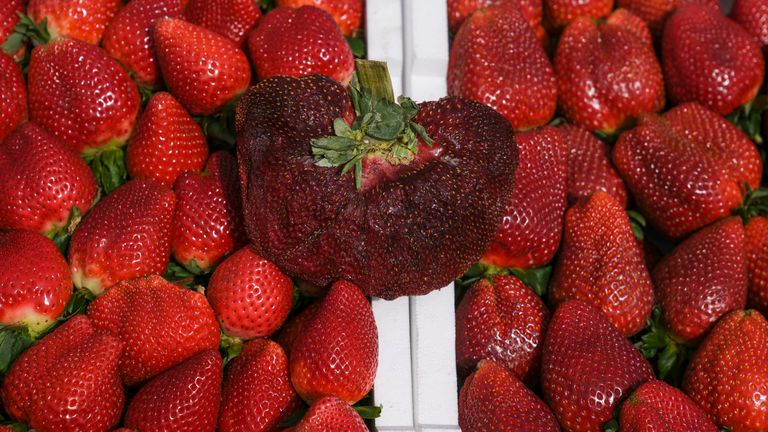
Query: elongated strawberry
column 497, row 60
column 757, row 262
column 656, row 12
column 125, row 236
column 752, row 15
column 84, row 20
column 658, row 407
column 330, row 413
column 348, row 14
column 231, row 18
column 257, row 393
column 13, row 96
column 560, row 13
column 293, row 327
column 460, row 10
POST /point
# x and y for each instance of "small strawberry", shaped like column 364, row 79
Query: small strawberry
column 84, row 20
column 752, row 15
column 497, row 60
column 560, row 13
column 330, row 414
column 126, row 235
column 167, row 142
column 231, row 18
column 658, row 407
column 348, row 14
column 159, row 323
column 13, row 96
column 460, row 10
column 494, row 399
column 297, row 42
column 656, row 12
column 588, row 367
column 342, row 332
column 184, row 398
column 293, row 327
column 757, row 262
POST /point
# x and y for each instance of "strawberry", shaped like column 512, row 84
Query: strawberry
column 208, row 220
column 128, row 37
column 42, row 182
column 297, row 42
column 530, row 230
column 656, row 12
column 202, row 69
column 601, row 263
column 159, row 323
column 752, row 15
column 167, row 142
column 632, row 23
column 13, row 96
column 757, row 262
column 342, row 332
column 9, row 17
column 560, row 13
column 589, row 166
column 126, row 235
column 84, row 20
column 293, row 327
column 460, row 10
column 496, row 59
column 588, row 367
column 658, row 407
column 494, row 399
column 257, row 393
column 348, row 14
column 728, row 373
column 184, row 398
column 606, row 75
column 67, row 382
column 710, row 59
column 686, row 168
column 702, row 279
column 330, row 414
column 231, row 18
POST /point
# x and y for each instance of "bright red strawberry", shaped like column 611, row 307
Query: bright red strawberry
column 42, row 181
column 710, row 59
column 494, row 399
column 126, row 235
column 202, row 69
column 588, row 367
column 757, row 262
column 601, row 263
column 589, row 166
column 167, row 142
column 656, row 12
column 529, row 233
column 129, row 39
column 686, row 168
column 752, row 15
column 84, row 20
column 632, row 23
column 257, row 393
column 560, row 13
column 348, row 14
column 658, row 407
column 728, row 374
column 68, row 382
column 297, row 42
column 13, row 96
column 184, row 398
column 342, row 332
column 501, row 320
column 704, row 278
column 231, row 18
column 159, row 323
column 606, row 75
column 293, row 327
column 330, row 414
column 208, row 220
column 460, row 10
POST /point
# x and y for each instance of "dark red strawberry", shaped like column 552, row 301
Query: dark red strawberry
column 184, row 398
column 231, row 18
column 532, row 223
column 330, row 414
column 658, row 407
column 13, row 96
column 460, row 10
column 297, row 42
column 126, row 235
column 347, row 13
column 84, row 20
column 560, row 13
column 159, row 323
column 588, row 367
column 67, row 382
column 293, row 327
column 752, row 15
column 257, row 393
column 202, row 69
column 728, row 373
column 710, row 59
column 42, row 182
column 497, row 60
column 686, row 168
column 757, row 262
column 656, row 12
column 494, row 399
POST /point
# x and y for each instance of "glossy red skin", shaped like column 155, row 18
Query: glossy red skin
column 494, row 399
column 532, row 223
column 167, row 142
column 601, row 263
column 710, row 59
column 292, row 328
column 656, row 12
column 631, row 23
column 84, row 20
column 231, row 18
column 702, row 279
column 501, row 320
column 336, row 353
column 68, row 382
column 497, row 60
column 606, row 75
column 41, row 181
column 298, row 42
column 257, row 393
column 13, row 95
column 184, row 398
column 159, row 323
column 128, row 37
column 348, row 14
column 588, row 367
column 686, row 168
column 658, row 407
column 250, row 296
column 330, row 414
column 560, row 13
column 589, row 166
column 126, row 235
column 460, row 10
column 727, row 375
column 202, row 69
column 752, row 15
column 757, row 262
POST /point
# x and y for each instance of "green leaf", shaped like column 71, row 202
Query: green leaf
column 342, row 129
column 389, row 122
column 13, row 342
column 357, row 45
column 178, row 274
column 108, row 167
column 537, row 279
column 611, row 426
column 368, row 412
column 410, row 108
column 78, row 304
column 748, row 118
column 13, row 43
column 230, row 347
column 420, row 131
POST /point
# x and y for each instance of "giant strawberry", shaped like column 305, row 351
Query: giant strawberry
column 13, row 96
column 460, row 10
column 231, row 18
column 757, row 262
column 347, row 13
column 330, row 414
column 560, row 13
column 658, row 407
column 752, row 15
column 84, row 20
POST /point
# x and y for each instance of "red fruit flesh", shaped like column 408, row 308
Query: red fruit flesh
column 560, row 13
column 84, row 20
column 656, row 12
column 348, row 14
column 330, row 414
column 658, row 407
column 752, row 15
column 13, row 95
column 757, row 262
column 231, row 18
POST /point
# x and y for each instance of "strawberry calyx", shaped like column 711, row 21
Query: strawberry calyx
column 108, row 165
column 230, row 347
column 638, row 223
column 61, row 234
column 27, row 30
column 748, row 117
column 13, row 341
column 755, row 203
column 536, row 279
column 666, row 354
